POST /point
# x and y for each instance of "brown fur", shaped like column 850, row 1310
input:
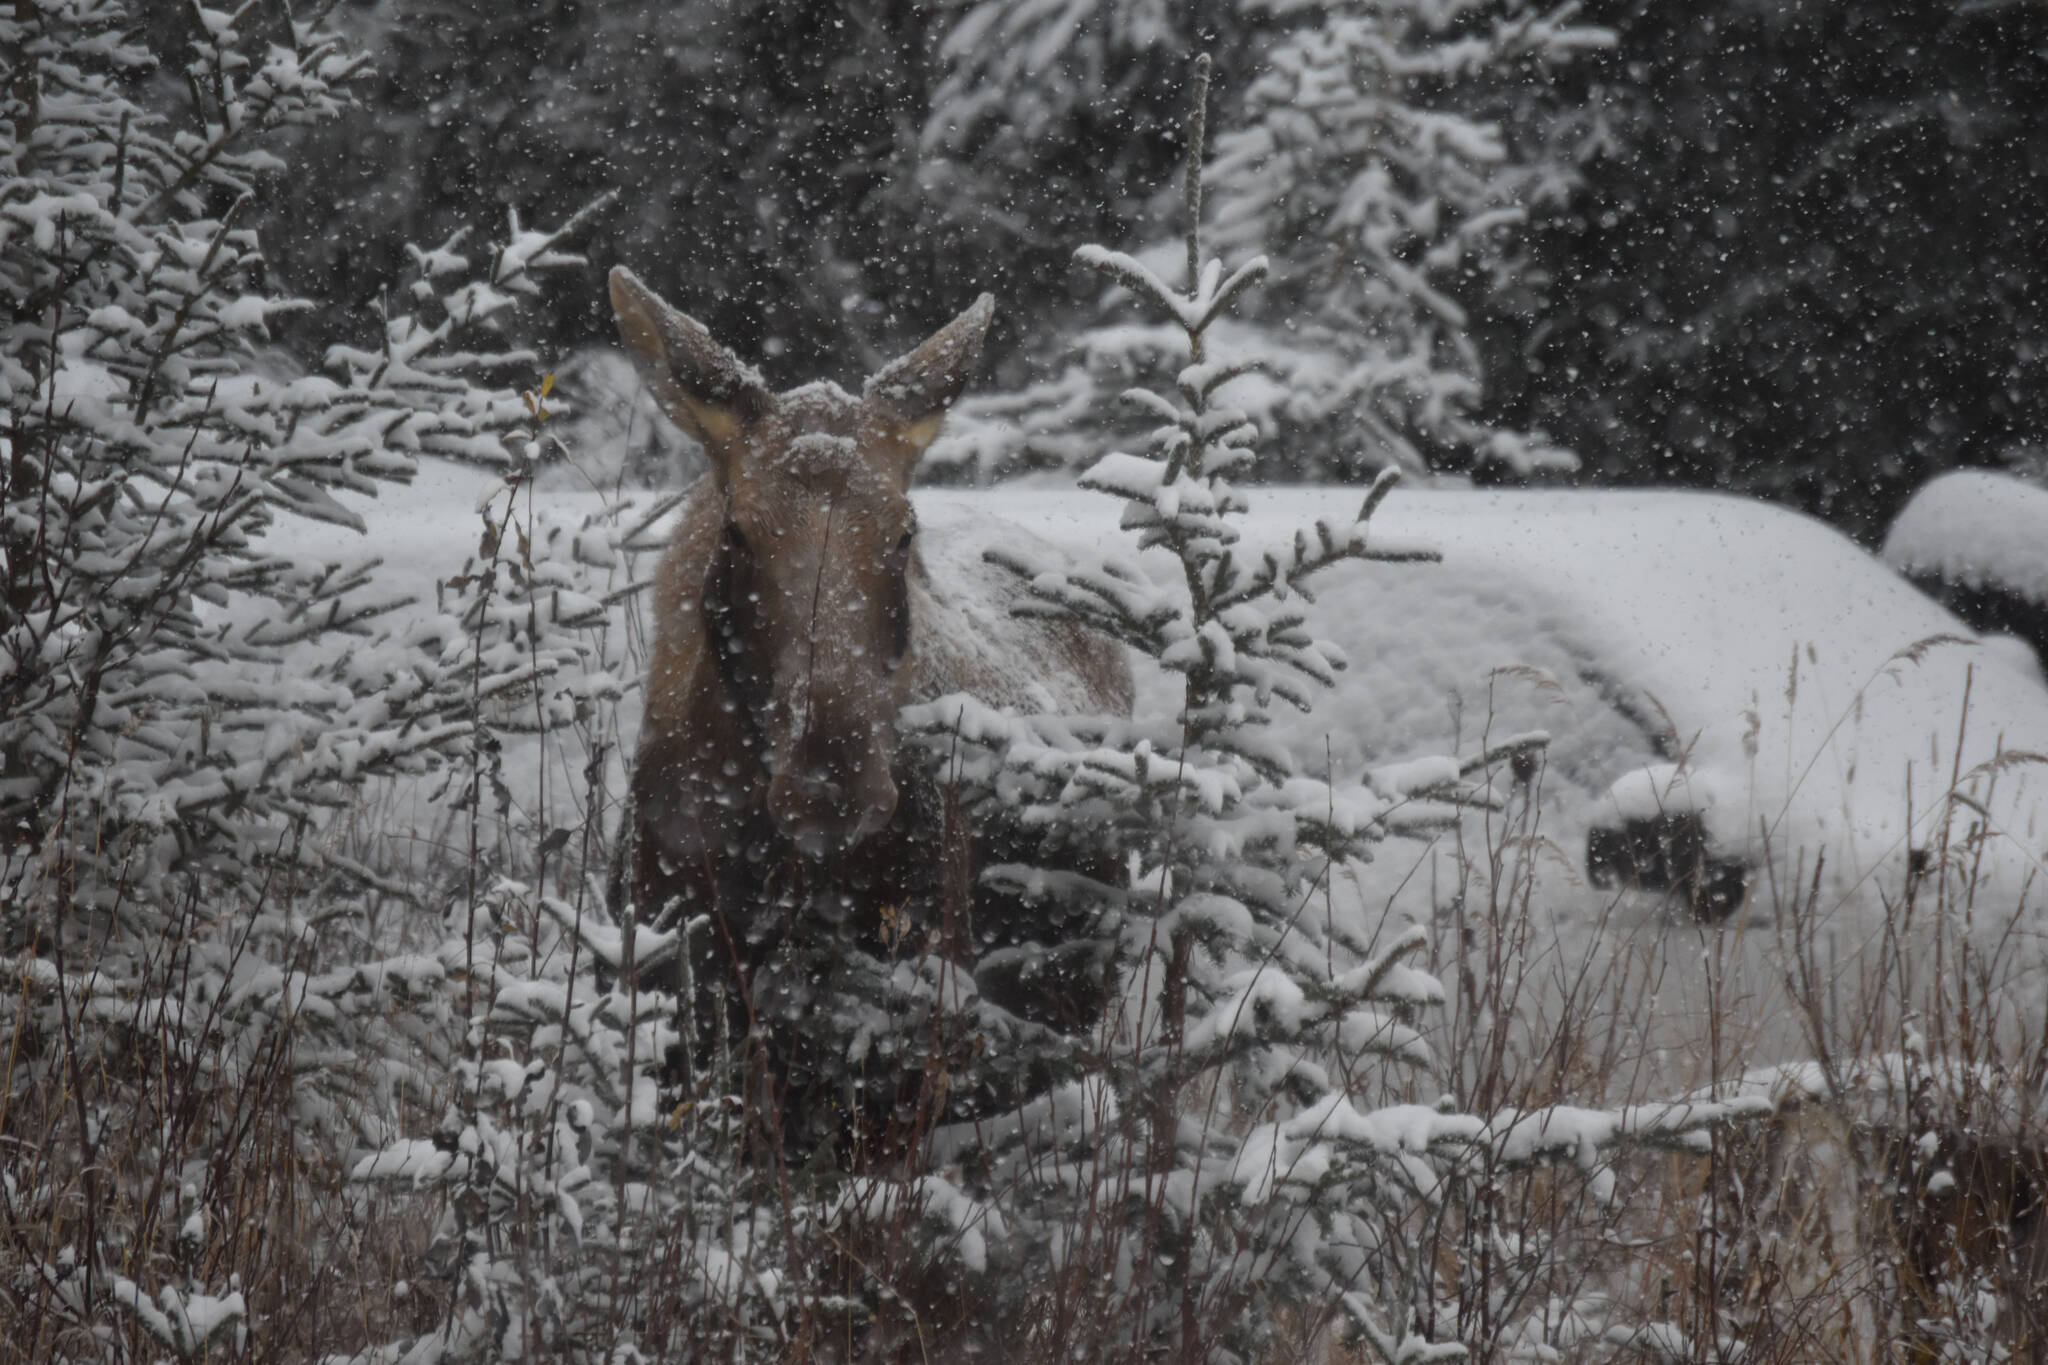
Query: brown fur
column 793, row 620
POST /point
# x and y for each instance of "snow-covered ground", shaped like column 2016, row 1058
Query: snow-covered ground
column 1808, row 699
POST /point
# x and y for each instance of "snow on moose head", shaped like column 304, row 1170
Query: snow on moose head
column 793, row 582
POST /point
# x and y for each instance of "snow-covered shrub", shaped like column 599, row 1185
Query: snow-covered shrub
column 1253, row 1135
column 161, row 713
column 598, row 1184
column 1915, row 1173
column 191, row 1009
column 558, row 1177
column 1371, row 153
column 1892, row 1205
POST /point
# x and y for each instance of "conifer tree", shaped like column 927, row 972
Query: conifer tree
column 1252, row 1129
column 1369, row 145
column 186, row 699
column 150, row 722
column 1371, row 154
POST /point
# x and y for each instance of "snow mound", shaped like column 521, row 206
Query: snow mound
column 1819, row 698
column 1978, row 529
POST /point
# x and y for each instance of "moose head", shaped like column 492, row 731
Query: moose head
column 799, row 571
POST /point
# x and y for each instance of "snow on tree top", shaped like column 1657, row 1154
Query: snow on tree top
column 1194, row 310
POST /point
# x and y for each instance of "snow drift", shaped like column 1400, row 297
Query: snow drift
column 1683, row 650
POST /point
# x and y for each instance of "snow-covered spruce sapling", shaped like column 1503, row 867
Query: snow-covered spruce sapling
column 1241, row 1139
column 185, row 703
column 167, row 705
column 558, row 1174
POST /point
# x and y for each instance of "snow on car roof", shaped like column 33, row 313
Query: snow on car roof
column 1813, row 698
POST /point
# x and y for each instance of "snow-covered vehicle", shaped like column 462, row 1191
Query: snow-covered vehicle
column 1977, row 542
column 1803, row 709
column 1736, row 694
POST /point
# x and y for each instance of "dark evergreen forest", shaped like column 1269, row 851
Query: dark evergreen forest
column 1788, row 247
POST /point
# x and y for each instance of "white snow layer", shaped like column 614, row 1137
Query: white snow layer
column 1978, row 529
column 1800, row 695
column 1812, row 698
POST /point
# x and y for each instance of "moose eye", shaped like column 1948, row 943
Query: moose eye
column 903, row 541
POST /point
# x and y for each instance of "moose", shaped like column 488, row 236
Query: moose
column 794, row 617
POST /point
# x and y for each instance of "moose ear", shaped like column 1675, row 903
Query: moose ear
column 707, row 389
column 916, row 389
